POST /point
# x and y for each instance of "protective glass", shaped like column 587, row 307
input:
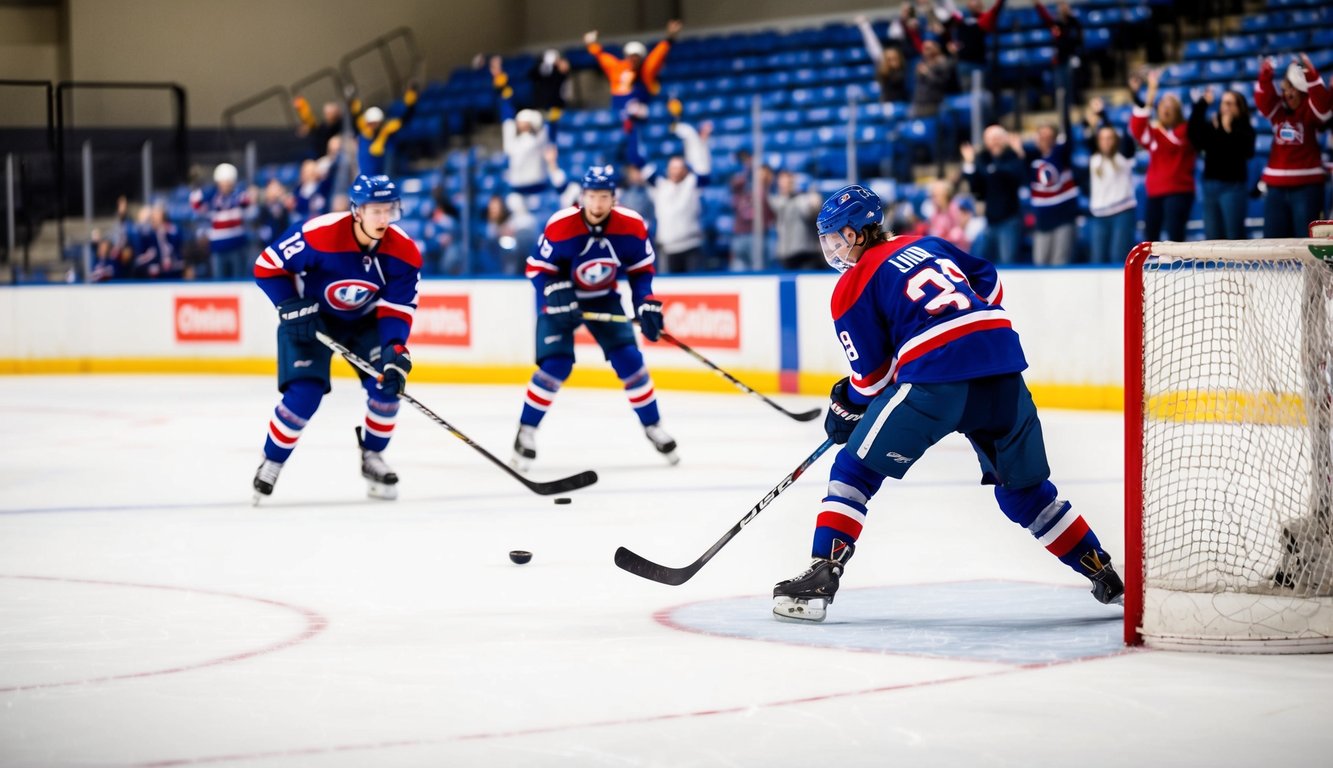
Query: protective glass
column 836, row 248
column 391, row 211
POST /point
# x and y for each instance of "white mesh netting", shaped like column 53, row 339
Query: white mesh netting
column 1237, row 537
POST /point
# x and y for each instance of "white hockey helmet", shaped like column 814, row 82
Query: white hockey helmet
column 635, row 48
column 373, row 115
column 225, row 173
column 530, row 116
column 1296, row 76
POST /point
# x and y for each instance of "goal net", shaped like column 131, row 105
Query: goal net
column 1227, row 446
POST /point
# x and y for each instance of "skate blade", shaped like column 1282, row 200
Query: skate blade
column 797, row 610
column 381, row 491
column 258, row 497
column 672, row 458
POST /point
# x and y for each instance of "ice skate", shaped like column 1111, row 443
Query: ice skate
column 664, row 443
column 381, row 481
column 808, row 596
column 1106, row 584
column 265, row 478
column 1307, row 554
column 525, row 448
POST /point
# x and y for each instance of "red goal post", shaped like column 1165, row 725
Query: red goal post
column 1228, row 477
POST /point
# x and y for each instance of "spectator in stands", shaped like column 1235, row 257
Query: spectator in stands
column 968, row 32
column 995, row 175
column 676, row 197
column 905, row 28
column 1295, row 172
column 634, row 78
column 1227, row 144
column 1111, row 201
column 890, row 66
column 943, row 214
column 632, row 193
column 1067, row 36
column 934, row 76
column 510, row 233
column 1171, row 158
column 1054, row 196
column 525, row 142
column 158, row 254
column 746, row 252
column 442, row 232
column 227, row 207
column 375, row 133
column 275, row 212
column 549, row 76
column 318, row 131
column 314, row 187
column 110, row 261
column 795, row 212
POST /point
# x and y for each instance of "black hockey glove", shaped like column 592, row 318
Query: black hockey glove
column 299, row 319
column 395, row 364
column 650, row 318
column 843, row 415
column 562, row 306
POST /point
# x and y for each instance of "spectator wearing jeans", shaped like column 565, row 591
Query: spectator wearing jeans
column 1295, row 172
column 1227, row 144
column 1112, row 204
column 1171, row 158
column 995, row 176
column 1054, row 197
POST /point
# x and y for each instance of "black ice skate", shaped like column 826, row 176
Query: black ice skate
column 265, row 478
column 808, row 596
column 381, row 481
column 664, row 443
column 525, row 448
column 1307, row 554
column 1106, row 584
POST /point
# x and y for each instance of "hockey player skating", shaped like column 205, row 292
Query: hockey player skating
column 932, row 352
column 353, row 276
column 575, row 267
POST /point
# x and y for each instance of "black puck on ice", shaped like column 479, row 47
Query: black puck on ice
column 520, row 556
column 564, row 500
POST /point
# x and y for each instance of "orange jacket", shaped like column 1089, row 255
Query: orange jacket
column 623, row 77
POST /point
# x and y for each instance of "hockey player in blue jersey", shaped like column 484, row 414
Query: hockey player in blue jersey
column 932, row 352
column 353, row 276
column 583, row 252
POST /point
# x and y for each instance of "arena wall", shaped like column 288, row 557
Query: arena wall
column 771, row 331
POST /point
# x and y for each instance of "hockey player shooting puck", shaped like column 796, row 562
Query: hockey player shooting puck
column 564, row 500
column 520, row 556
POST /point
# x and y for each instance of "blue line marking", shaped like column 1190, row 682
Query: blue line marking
column 790, row 342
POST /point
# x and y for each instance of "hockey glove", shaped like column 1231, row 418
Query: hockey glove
column 395, row 364
column 843, row 415
column 562, row 306
column 299, row 319
column 650, row 318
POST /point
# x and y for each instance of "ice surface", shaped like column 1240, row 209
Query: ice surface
column 150, row 616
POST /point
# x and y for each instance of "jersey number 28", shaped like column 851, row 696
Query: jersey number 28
column 946, row 279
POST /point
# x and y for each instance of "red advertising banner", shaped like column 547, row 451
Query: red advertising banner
column 444, row 321
column 700, row 320
column 208, row 319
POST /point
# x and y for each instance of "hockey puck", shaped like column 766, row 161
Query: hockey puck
column 520, row 556
column 564, row 500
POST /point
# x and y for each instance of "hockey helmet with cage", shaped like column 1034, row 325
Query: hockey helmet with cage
column 375, row 189
column 600, row 177
column 852, row 206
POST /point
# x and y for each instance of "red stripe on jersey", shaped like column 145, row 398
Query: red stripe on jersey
column 279, row 438
column 566, row 224
column 945, row 338
column 269, row 272
column 624, row 221
column 854, row 280
column 839, row 522
column 872, row 377
column 1067, row 540
column 383, row 311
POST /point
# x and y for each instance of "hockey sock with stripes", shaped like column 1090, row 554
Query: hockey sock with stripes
column 1054, row 524
column 298, row 404
column 842, row 513
column 542, row 389
column 381, row 416
column 628, row 365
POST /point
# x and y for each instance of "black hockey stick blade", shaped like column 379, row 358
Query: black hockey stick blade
column 809, row 415
column 563, row 485
column 647, row 569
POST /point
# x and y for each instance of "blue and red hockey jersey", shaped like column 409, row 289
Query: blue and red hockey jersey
column 226, row 216
column 919, row 309
column 593, row 257
column 321, row 259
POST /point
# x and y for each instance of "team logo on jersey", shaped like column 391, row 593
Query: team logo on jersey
column 596, row 274
column 1291, row 133
column 1047, row 174
column 349, row 295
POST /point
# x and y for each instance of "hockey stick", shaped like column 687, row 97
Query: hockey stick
column 563, row 485
column 607, row 317
column 647, row 569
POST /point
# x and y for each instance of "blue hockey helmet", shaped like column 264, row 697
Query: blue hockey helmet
column 375, row 189
column 852, row 206
column 600, row 177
